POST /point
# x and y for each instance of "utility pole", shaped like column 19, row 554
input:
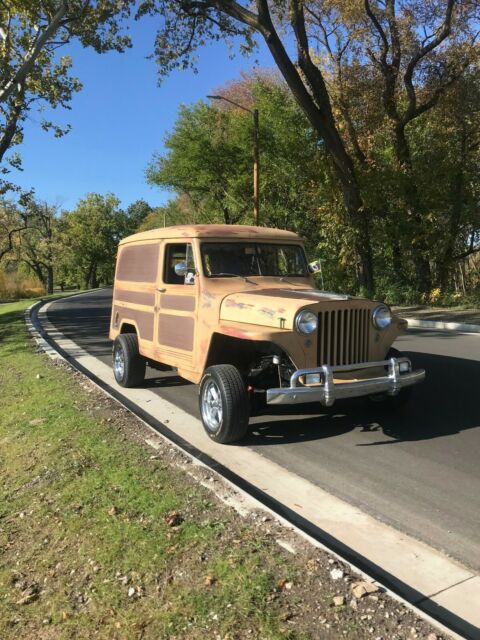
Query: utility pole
column 256, row 168
column 256, row 155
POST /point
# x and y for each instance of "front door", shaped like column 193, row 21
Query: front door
column 176, row 306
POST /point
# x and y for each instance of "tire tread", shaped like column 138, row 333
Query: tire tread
column 236, row 407
column 135, row 364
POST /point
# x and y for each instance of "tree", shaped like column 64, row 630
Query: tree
column 135, row 214
column 14, row 219
column 32, row 72
column 207, row 162
column 209, row 156
column 177, row 211
column 88, row 239
column 417, row 49
column 36, row 246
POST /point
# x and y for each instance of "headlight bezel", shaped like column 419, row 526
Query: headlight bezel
column 300, row 322
column 381, row 322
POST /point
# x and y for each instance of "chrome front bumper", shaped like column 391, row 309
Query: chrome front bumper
column 328, row 390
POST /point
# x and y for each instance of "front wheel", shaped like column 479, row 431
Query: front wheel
column 224, row 403
column 128, row 364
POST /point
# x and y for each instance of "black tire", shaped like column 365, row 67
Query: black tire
column 393, row 403
column 224, row 403
column 125, row 349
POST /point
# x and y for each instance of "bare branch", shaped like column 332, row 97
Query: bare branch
column 394, row 34
column 11, row 233
column 442, row 33
column 376, row 23
column 467, row 253
column 436, row 95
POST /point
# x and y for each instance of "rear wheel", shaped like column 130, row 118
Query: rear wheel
column 128, row 364
column 224, row 403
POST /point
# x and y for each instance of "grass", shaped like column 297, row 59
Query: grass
column 104, row 537
column 82, row 523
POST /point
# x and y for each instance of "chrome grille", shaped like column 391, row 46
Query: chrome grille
column 343, row 336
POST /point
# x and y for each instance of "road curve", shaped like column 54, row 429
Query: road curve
column 419, row 472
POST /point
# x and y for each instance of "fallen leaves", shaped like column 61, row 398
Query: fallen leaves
column 284, row 585
column 29, row 594
column 173, row 519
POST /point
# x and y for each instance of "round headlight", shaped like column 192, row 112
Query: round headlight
column 381, row 316
column 306, row 322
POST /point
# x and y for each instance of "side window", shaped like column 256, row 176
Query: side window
column 176, row 254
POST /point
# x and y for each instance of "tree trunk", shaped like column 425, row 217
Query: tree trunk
column 398, row 262
column 419, row 245
column 458, row 195
column 49, row 279
column 89, row 276
column 357, row 217
column 93, row 277
column 319, row 113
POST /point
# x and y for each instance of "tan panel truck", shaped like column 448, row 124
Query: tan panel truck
column 235, row 309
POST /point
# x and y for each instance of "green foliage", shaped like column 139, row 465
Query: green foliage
column 67, row 248
column 33, row 74
column 135, row 215
column 88, row 238
column 368, row 77
column 178, row 211
column 209, row 162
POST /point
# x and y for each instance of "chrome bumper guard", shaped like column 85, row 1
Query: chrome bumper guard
column 399, row 375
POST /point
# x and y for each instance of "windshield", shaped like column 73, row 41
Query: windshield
column 253, row 259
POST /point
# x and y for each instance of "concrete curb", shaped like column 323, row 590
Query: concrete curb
column 443, row 326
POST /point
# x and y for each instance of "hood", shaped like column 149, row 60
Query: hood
column 272, row 307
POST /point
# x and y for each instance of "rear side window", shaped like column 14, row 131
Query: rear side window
column 138, row 263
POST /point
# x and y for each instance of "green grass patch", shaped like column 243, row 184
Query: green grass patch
column 85, row 549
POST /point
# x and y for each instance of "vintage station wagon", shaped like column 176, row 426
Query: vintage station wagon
column 235, row 308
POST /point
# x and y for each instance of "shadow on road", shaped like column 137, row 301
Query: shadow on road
column 446, row 403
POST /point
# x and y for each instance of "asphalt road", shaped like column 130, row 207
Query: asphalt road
column 419, row 471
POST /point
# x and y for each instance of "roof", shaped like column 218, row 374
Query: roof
column 213, row 231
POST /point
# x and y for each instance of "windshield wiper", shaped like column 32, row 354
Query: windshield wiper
column 231, row 275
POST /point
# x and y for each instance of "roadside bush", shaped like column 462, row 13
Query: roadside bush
column 470, row 300
column 16, row 285
column 397, row 294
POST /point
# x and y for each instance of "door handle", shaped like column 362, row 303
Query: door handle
column 162, row 290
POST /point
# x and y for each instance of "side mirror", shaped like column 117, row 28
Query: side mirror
column 181, row 268
column 315, row 267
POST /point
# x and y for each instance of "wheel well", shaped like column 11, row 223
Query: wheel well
column 128, row 328
column 242, row 353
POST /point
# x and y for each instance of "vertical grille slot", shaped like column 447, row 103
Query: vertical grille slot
column 343, row 336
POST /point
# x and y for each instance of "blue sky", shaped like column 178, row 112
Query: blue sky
column 119, row 120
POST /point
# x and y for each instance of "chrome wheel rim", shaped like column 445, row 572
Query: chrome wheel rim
column 212, row 409
column 118, row 363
